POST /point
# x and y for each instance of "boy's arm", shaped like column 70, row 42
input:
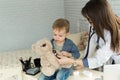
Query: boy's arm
column 75, row 51
column 71, row 48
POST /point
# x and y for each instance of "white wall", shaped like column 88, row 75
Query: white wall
column 116, row 6
column 73, row 13
column 22, row 22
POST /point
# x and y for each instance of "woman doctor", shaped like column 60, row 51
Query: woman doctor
column 104, row 36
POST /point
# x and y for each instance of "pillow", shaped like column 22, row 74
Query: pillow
column 83, row 40
column 75, row 38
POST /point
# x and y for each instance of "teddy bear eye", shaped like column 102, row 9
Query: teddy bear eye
column 43, row 45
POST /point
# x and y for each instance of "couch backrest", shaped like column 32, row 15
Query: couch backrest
column 75, row 38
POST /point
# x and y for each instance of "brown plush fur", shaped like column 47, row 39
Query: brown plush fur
column 48, row 59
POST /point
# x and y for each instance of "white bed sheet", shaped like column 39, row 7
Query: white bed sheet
column 10, row 66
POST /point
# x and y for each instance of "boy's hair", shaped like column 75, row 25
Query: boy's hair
column 61, row 24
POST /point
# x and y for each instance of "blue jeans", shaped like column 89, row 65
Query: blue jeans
column 61, row 74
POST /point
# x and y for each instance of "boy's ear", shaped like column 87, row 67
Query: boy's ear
column 68, row 33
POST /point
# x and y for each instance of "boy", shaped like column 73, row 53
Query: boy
column 65, row 46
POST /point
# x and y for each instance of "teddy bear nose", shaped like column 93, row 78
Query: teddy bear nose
column 43, row 45
column 54, row 51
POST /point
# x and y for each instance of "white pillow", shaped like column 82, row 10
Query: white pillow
column 75, row 38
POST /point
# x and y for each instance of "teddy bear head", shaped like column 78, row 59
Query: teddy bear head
column 42, row 46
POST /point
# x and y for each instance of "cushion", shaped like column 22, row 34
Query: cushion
column 75, row 38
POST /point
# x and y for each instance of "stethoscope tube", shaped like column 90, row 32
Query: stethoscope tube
column 91, row 32
column 90, row 35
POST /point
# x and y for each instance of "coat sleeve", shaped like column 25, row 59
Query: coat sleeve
column 103, row 54
column 116, row 58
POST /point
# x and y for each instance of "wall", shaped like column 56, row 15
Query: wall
column 22, row 22
column 116, row 6
column 73, row 13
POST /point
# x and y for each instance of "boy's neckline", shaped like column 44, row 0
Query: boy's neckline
column 59, row 44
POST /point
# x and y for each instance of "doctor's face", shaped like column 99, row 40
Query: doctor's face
column 90, row 21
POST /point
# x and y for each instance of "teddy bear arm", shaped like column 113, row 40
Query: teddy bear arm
column 53, row 60
column 66, row 66
column 48, row 71
column 44, row 62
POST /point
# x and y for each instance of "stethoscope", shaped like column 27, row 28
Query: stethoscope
column 91, row 32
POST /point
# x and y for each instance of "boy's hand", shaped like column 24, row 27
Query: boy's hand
column 64, row 53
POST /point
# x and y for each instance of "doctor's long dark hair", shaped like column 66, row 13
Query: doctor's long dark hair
column 102, row 17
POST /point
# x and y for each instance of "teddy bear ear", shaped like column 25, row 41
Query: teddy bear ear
column 33, row 47
column 49, row 43
column 45, row 39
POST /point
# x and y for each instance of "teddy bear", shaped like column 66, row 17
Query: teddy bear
column 49, row 63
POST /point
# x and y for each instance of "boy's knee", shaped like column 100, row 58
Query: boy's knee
column 62, row 76
column 42, row 77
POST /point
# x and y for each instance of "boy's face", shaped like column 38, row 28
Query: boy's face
column 59, row 35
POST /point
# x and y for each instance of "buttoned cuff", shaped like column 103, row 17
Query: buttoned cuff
column 85, row 62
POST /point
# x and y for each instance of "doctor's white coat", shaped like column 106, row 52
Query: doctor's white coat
column 103, row 55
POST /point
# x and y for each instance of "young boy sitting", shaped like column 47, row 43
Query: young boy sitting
column 65, row 46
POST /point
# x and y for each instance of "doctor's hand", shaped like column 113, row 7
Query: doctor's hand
column 79, row 63
column 67, row 54
column 65, row 60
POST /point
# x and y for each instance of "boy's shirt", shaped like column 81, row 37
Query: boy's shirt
column 70, row 47
column 55, row 46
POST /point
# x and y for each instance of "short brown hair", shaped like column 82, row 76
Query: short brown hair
column 60, row 24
